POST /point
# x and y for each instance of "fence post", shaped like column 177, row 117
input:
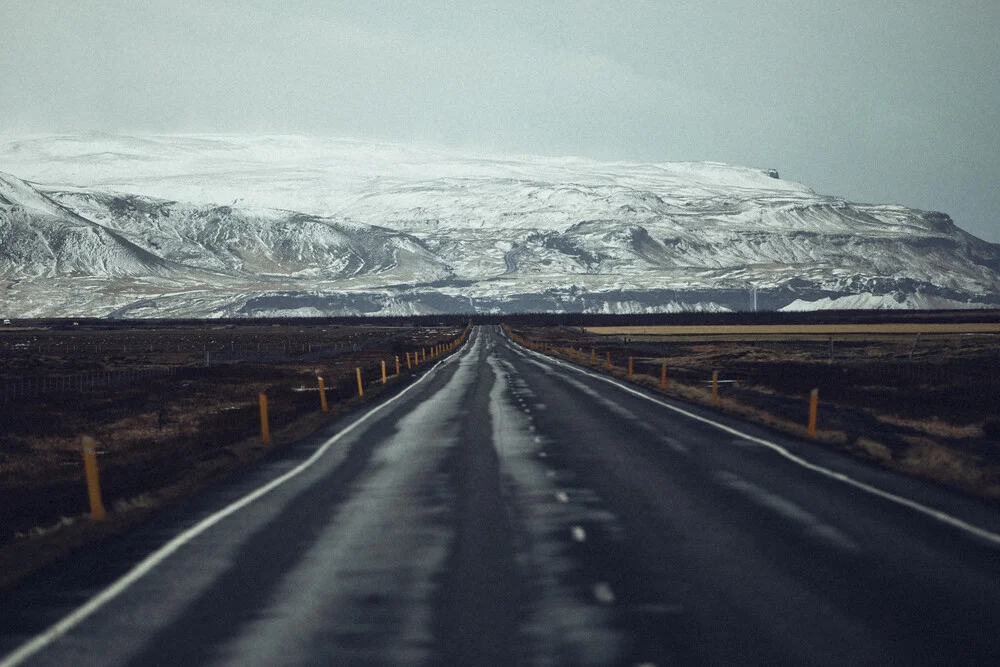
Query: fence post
column 715, row 388
column 322, row 394
column 361, row 389
column 265, row 429
column 813, row 408
column 93, row 479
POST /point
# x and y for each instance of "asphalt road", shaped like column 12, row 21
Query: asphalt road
column 513, row 509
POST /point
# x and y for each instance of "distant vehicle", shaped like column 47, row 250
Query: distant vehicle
column 6, row 322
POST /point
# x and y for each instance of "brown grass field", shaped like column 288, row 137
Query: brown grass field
column 924, row 404
column 166, row 423
column 895, row 329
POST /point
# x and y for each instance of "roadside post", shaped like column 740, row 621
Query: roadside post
column 265, row 430
column 322, row 394
column 608, row 361
column 408, row 366
column 593, row 356
column 663, row 376
column 93, row 479
column 383, row 372
column 630, row 366
column 397, row 365
column 361, row 389
column 715, row 388
column 813, row 408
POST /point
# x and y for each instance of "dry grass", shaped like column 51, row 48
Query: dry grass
column 933, row 460
column 146, row 463
column 929, row 455
column 936, row 427
column 876, row 450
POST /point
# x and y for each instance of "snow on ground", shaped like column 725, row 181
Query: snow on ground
column 393, row 228
column 879, row 302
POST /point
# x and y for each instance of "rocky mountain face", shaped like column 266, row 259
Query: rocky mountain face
column 237, row 226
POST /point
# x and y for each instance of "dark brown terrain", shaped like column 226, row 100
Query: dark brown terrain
column 168, row 404
column 926, row 405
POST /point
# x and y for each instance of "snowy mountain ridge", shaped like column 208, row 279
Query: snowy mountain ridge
column 231, row 226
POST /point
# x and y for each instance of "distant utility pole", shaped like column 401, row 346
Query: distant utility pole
column 755, row 299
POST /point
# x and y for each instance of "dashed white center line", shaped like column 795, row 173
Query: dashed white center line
column 579, row 534
column 654, row 608
column 603, row 593
column 562, row 497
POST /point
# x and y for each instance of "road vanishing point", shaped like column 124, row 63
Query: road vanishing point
column 507, row 508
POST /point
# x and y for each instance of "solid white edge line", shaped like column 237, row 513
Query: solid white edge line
column 67, row 623
column 981, row 533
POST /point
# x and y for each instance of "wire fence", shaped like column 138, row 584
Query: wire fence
column 29, row 386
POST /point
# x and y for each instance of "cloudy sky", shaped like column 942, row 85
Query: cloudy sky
column 889, row 101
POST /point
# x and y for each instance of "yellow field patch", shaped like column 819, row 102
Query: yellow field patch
column 798, row 329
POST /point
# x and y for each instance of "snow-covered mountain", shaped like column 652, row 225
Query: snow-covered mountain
column 231, row 226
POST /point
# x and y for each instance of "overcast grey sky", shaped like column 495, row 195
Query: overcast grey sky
column 882, row 101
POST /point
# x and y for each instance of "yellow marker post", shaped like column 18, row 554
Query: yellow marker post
column 423, row 354
column 361, row 389
column 383, row 372
column 593, row 356
column 93, row 479
column 715, row 388
column 813, row 408
column 663, row 376
column 397, row 365
column 630, row 366
column 408, row 367
column 322, row 395
column 607, row 361
column 265, row 429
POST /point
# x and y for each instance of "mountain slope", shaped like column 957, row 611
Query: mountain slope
column 39, row 238
column 219, row 225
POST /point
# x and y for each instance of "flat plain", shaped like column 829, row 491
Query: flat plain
column 918, row 397
column 169, row 405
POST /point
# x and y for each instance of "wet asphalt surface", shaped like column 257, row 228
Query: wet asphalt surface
column 509, row 509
